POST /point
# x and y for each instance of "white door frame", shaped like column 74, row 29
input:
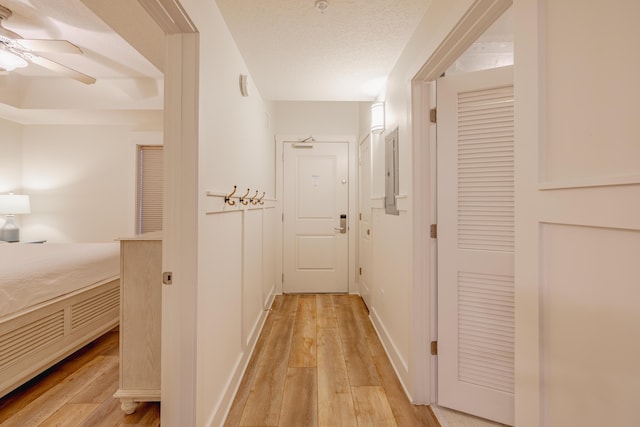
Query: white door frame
column 180, row 213
column 364, row 206
column 353, row 200
column 478, row 18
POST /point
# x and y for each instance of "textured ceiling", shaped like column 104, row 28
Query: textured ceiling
column 293, row 51
column 296, row 52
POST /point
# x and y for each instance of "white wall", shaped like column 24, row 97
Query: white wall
column 10, row 160
column 577, row 213
column 365, row 120
column 317, row 118
column 11, row 157
column 234, row 247
column 393, row 311
column 81, row 179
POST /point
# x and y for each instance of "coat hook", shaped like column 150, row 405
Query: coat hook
column 261, row 197
column 253, row 199
column 228, row 200
column 243, row 197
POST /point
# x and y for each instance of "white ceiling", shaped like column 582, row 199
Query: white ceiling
column 296, row 52
column 125, row 79
column 106, row 55
column 293, row 51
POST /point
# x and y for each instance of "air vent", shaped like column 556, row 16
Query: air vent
column 92, row 308
column 30, row 338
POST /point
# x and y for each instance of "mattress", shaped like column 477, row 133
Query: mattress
column 34, row 273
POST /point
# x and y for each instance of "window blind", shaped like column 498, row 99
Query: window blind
column 150, row 187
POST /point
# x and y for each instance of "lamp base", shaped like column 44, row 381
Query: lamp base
column 10, row 232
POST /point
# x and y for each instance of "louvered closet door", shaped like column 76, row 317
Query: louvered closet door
column 476, row 244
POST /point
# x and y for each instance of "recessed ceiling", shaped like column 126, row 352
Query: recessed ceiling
column 124, row 78
column 295, row 51
column 106, row 55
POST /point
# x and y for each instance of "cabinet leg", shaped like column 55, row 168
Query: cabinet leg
column 128, row 406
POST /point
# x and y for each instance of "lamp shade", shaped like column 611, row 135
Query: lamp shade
column 14, row 204
column 377, row 117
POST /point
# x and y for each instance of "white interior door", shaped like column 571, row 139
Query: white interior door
column 476, row 322
column 364, row 244
column 316, row 200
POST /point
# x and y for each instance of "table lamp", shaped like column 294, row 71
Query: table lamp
column 11, row 205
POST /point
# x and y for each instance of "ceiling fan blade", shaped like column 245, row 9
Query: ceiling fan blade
column 54, row 46
column 9, row 34
column 59, row 68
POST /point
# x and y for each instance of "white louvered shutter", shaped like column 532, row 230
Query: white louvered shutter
column 150, row 187
column 476, row 243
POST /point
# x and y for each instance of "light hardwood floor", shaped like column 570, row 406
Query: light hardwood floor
column 318, row 362
column 76, row 392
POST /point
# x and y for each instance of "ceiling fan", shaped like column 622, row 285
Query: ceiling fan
column 18, row 52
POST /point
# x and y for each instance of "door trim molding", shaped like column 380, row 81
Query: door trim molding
column 180, row 229
column 478, row 18
column 364, row 206
column 353, row 145
column 422, row 365
column 180, row 236
column 295, row 231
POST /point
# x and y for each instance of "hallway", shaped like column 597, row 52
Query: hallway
column 319, row 361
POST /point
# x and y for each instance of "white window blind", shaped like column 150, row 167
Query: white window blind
column 150, row 187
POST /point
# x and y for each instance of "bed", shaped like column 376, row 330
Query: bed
column 54, row 299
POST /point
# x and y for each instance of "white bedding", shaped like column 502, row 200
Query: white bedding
column 34, row 273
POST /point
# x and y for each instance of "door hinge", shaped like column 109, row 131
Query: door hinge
column 282, row 216
column 282, row 277
column 433, row 115
column 433, row 231
column 361, row 271
column 360, row 216
column 434, row 348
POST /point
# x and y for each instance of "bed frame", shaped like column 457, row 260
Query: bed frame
column 38, row 337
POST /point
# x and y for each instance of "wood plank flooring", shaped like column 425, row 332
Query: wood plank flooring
column 76, row 392
column 318, row 362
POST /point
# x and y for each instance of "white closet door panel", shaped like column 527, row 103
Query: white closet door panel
column 475, row 244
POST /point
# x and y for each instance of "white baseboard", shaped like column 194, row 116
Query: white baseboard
column 398, row 363
column 218, row 415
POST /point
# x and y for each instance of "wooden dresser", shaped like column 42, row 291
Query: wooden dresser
column 140, row 319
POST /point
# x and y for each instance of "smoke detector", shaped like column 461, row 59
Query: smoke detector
column 322, row 5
